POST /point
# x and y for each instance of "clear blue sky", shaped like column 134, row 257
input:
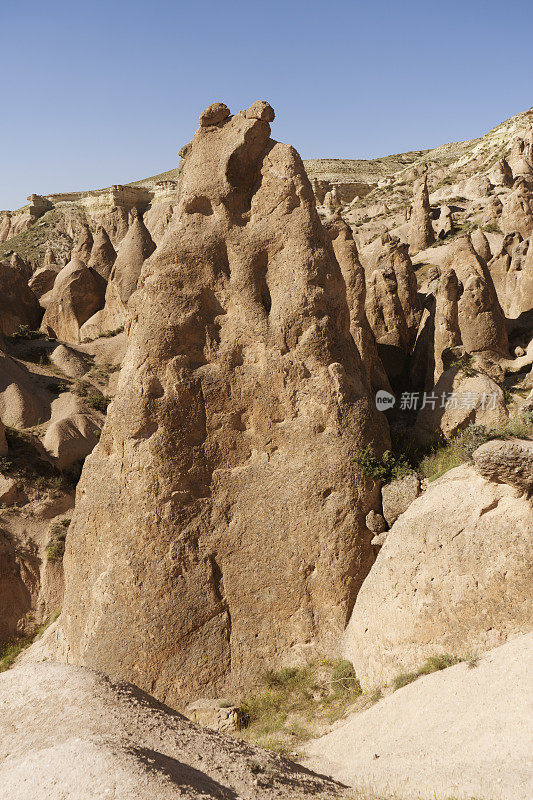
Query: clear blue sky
column 95, row 93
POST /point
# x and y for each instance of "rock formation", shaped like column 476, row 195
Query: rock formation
column 134, row 249
column 421, row 233
column 18, row 304
column 387, row 320
column 454, row 582
column 84, row 244
column 220, row 524
column 395, row 255
column 481, row 245
column 354, row 278
column 446, row 326
column 517, row 210
column 77, row 294
column 103, row 253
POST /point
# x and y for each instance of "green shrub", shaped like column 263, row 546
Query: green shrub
column 438, row 662
column 404, row 679
column 386, row 468
column 24, row 332
column 55, row 549
column 99, row 402
column 465, row 365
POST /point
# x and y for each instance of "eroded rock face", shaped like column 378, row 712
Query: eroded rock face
column 77, row 294
column 395, row 255
column 134, row 249
column 18, row 304
column 354, row 278
column 506, row 462
column 103, row 253
column 447, row 332
column 421, row 233
column 454, row 581
column 220, row 524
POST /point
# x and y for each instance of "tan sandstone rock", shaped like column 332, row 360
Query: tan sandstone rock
column 84, row 244
column 453, row 576
column 421, row 233
column 220, row 522
column 103, row 253
column 77, row 294
column 508, row 462
column 18, row 304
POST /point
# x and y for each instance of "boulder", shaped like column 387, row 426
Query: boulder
column 453, row 576
column 8, row 490
column 459, row 399
column 219, row 528
column 376, row 523
column 77, row 294
column 69, row 361
column 398, row 496
column 508, row 462
column 42, row 280
column 219, row 715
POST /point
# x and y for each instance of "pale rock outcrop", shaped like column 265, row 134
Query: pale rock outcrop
column 23, row 402
column 77, row 294
column 481, row 245
column 398, row 495
column 18, row 264
column 103, row 253
column 521, row 155
column 387, row 320
column 134, row 249
column 8, row 490
column 49, row 259
column 225, row 463
column 517, row 210
column 481, row 319
column 447, row 332
column 42, row 280
column 454, row 581
column 395, row 255
column 518, row 289
column 501, row 174
column 354, row 277
column 499, row 265
column 84, row 244
column 72, row 433
column 18, row 304
column 219, row 715
column 508, row 462
column 461, row 732
column 492, row 211
column 444, row 222
column 457, row 400
column 69, row 361
column 70, row 732
column 421, row 233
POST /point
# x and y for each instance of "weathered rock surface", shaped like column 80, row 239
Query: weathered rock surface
column 225, row 463
column 421, row 233
column 77, row 294
column 508, row 462
column 70, row 732
column 18, row 304
column 84, row 244
column 134, row 249
column 453, row 576
column 219, row 715
column 398, row 495
column 460, row 732
column 103, row 254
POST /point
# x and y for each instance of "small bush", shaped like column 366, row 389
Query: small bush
column 491, row 227
column 5, row 464
column 438, row 662
column 110, row 334
column 344, row 679
column 465, row 365
column 24, row 332
column 98, row 402
column 386, row 468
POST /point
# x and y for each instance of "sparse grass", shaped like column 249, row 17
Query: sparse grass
column 25, row 462
column 10, row 652
column 432, row 664
column 92, row 397
column 23, row 332
column 465, row 364
column 450, row 453
column 491, row 227
column 296, row 702
column 110, row 334
column 55, row 549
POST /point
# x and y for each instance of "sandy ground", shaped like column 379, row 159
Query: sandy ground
column 463, row 732
column 67, row 733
